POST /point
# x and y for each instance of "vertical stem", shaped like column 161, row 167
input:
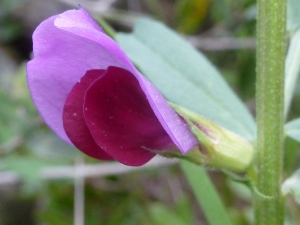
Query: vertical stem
column 271, row 23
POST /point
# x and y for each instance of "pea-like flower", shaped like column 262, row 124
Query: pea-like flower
column 90, row 94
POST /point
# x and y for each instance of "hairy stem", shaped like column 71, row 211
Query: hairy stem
column 271, row 23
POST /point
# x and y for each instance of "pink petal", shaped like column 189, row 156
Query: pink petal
column 73, row 118
column 77, row 19
column 61, row 59
column 68, row 45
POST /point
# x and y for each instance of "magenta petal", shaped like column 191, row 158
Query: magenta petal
column 121, row 120
column 73, row 118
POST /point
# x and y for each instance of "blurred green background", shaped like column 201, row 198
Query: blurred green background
column 33, row 187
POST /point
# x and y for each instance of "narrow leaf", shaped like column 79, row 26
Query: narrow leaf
column 293, row 15
column 206, row 194
column 292, row 70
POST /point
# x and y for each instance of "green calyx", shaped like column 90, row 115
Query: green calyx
column 218, row 147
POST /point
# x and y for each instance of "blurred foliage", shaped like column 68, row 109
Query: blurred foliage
column 27, row 146
column 10, row 27
column 114, row 200
column 190, row 14
column 181, row 215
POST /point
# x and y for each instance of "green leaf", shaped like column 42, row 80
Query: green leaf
column 292, row 70
column 240, row 190
column 206, row 194
column 292, row 186
column 292, row 129
column 185, row 76
column 293, row 15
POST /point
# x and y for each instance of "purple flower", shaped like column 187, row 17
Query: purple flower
column 90, row 94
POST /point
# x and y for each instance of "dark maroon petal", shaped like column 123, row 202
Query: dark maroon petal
column 73, row 118
column 121, row 120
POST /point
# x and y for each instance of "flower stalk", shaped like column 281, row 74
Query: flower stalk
column 271, row 26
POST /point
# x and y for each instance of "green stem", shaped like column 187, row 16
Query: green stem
column 271, row 24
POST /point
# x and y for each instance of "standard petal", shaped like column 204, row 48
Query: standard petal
column 74, row 121
column 174, row 126
column 77, row 19
column 65, row 51
column 60, row 60
column 121, row 119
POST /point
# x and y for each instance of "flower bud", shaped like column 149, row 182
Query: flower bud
column 218, row 147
